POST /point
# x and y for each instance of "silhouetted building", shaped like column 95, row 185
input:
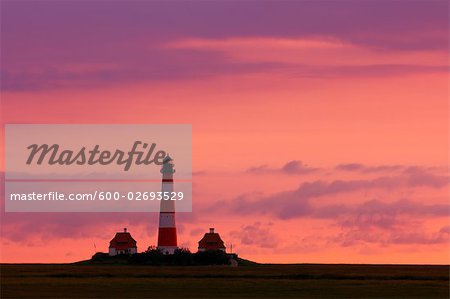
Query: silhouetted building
column 122, row 243
column 211, row 241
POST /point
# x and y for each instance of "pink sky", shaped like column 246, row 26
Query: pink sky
column 320, row 135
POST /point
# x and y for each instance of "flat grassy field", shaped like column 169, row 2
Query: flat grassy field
column 251, row 281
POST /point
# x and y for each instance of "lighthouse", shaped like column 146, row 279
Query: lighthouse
column 167, row 233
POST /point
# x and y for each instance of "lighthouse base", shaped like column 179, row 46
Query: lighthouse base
column 167, row 249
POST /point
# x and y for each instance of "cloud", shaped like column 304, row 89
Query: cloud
column 396, row 232
column 385, row 223
column 155, row 65
column 155, row 41
column 197, row 232
column 297, row 202
column 415, row 236
column 416, row 173
column 418, row 237
column 386, row 215
column 350, row 167
column 417, row 176
column 291, row 167
column 445, row 229
column 256, row 234
column 369, row 169
column 21, row 227
column 168, row 68
column 426, row 25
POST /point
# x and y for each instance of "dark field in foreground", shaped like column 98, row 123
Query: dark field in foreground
column 256, row 281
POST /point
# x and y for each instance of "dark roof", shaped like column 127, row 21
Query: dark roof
column 122, row 241
column 211, row 241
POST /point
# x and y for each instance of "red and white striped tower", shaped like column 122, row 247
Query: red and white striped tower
column 167, row 234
